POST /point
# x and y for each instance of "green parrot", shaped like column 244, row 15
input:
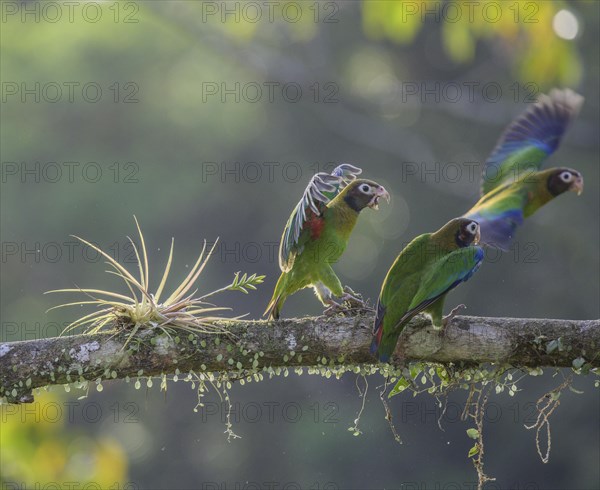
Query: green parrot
column 317, row 232
column 513, row 186
column 421, row 277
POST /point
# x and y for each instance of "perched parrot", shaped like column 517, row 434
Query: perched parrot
column 421, row 277
column 513, row 188
column 317, row 232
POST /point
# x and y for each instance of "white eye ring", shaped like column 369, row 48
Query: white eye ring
column 472, row 227
column 566, row 176
column 365, row 188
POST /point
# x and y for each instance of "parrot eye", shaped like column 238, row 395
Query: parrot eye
column 365, row 188
column 472, row 227
column 566, row 177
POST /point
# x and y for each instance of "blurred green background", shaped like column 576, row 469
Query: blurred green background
column 207, row 119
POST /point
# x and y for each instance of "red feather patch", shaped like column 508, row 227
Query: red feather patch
column 379, row 333
column 315, row 224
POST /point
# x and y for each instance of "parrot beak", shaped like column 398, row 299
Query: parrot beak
column 577, row 185
column 379, row 193
column 477, row 236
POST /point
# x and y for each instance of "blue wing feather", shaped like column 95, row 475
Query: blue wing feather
column 462, row 275
column 470, row 265
column 540, row 128
column 498, row 230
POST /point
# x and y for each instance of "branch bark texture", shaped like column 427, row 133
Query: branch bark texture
column 309, row 341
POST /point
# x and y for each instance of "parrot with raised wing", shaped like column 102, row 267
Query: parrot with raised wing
column 420, row 278
column 513, row 186
column 316, row 235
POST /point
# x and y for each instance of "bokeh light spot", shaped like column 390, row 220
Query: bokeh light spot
column 565, row 24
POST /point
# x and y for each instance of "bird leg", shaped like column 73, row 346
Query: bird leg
column 448, row 318
column 348, row 302
column 352, row 298
column 333, row 308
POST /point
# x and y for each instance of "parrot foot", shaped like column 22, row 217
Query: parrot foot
column 448, row 318
column 334, row 308
column 355, row 303
column 353, row 299
column 350, row 303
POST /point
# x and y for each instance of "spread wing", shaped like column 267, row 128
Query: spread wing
column 499, row 214
column 321, row 189
column 530, row 138
column 442, row 276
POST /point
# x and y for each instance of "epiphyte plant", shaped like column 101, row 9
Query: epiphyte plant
column 183, row 309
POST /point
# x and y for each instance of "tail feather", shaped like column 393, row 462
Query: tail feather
column 376, row 343
column 381, row 351
column 274, row 306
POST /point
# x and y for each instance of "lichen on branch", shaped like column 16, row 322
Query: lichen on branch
column 248, row 347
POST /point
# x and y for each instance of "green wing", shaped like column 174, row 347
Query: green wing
column 410, row 261
column 321, row 189
column 530, row 138
column 443, row 275
column 399, row 286
column 400, row 283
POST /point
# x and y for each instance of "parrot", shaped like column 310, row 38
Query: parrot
column 420, row 278
column 513, row 186
column 316, row 235
column 501, row 210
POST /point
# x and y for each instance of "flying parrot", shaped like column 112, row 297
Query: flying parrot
column 513, row 186
column 317, row 232
column 421, row 277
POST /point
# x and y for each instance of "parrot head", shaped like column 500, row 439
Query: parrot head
column 362, row 193
column 461, row 232
column 467, row 233
column 564, row 179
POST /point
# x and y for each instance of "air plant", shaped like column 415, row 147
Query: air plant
column 181, row 310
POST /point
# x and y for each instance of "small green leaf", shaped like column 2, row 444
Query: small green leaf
column 473, row 451
column 415, row 370
column 473, row 434
column 401, row 385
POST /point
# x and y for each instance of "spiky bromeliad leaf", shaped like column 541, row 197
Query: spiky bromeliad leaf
column 181, row 310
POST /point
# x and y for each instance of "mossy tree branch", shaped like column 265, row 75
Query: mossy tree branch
column 309, row 341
